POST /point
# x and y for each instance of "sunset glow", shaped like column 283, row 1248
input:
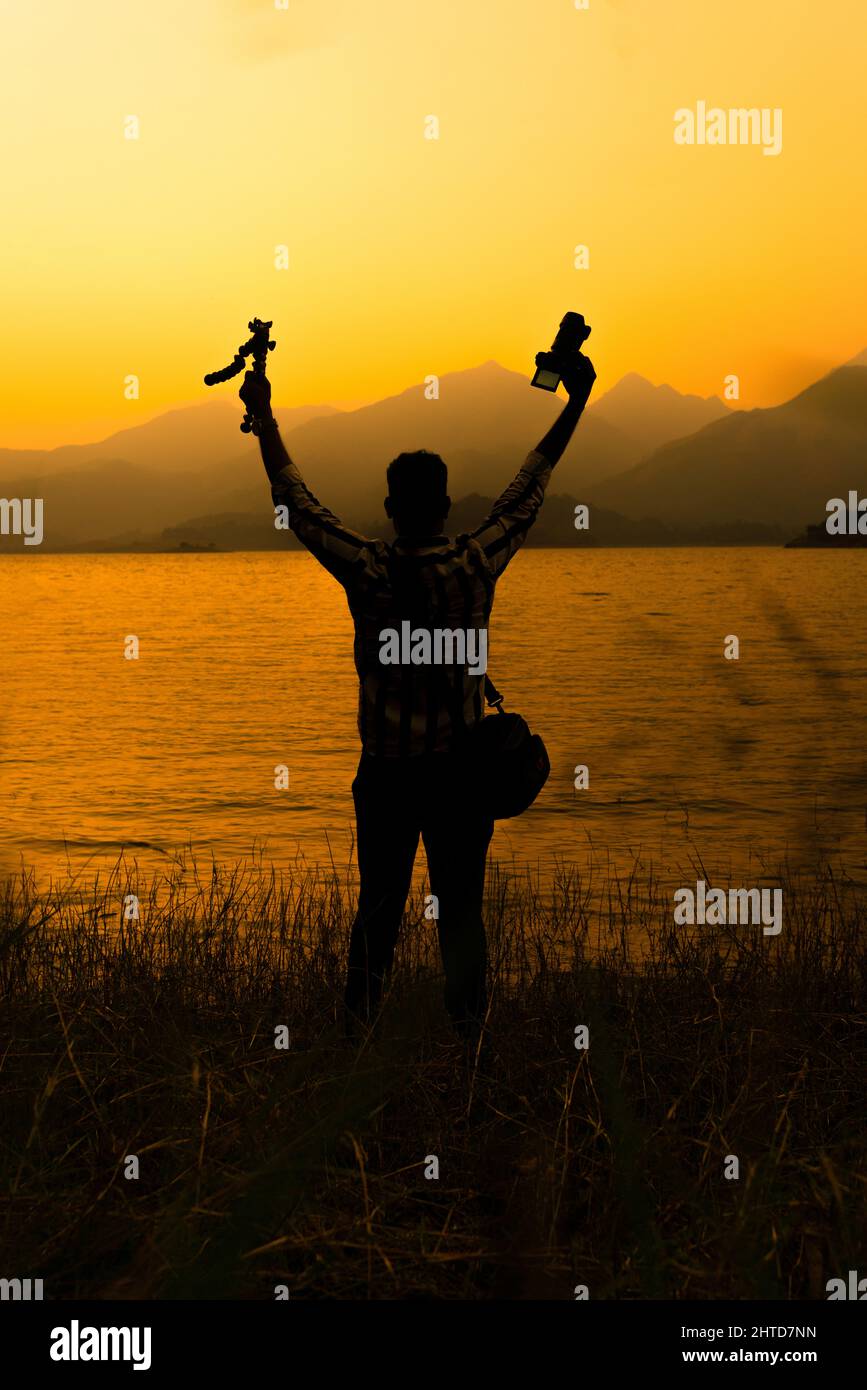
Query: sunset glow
column 305, row 127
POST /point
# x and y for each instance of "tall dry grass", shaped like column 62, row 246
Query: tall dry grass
column 262, row 1167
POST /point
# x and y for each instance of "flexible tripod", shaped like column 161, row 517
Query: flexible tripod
column 259, row 345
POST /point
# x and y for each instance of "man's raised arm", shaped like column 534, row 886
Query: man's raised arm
column 505, row 528
column 343, row 552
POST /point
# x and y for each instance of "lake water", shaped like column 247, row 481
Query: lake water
column 616, row 657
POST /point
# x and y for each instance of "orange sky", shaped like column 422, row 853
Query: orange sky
column 304, row 127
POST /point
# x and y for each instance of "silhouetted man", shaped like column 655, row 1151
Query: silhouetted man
column 412, row 777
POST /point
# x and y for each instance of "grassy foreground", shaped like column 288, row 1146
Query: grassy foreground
column 305, row 1166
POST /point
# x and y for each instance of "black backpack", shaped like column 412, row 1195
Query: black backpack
column 508, row 763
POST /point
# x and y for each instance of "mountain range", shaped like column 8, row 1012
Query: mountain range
column 775, row 466
column 655, row 465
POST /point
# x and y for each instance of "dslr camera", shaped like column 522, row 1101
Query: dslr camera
column 571, row 334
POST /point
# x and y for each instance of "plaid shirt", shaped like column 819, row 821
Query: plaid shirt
column 407, row 710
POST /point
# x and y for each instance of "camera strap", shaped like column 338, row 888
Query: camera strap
column 493, row 696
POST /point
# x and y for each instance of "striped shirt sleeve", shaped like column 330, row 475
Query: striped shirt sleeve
column 343, row 552
column 505, row 528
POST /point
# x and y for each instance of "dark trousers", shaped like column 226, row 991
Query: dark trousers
column 396, row 801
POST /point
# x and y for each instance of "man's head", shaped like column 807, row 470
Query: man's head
column 418, row 501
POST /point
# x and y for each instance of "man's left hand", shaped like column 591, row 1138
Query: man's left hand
column 578, row 375
column 256, row 395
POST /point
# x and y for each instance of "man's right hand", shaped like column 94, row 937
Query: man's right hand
column 578, row 376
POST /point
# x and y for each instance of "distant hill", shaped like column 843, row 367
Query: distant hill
column 143, row 479
column 191, row 437
column 776, row 466
column 654, row 415
column 817, row 537
column 555, row 527
column 191, row 475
